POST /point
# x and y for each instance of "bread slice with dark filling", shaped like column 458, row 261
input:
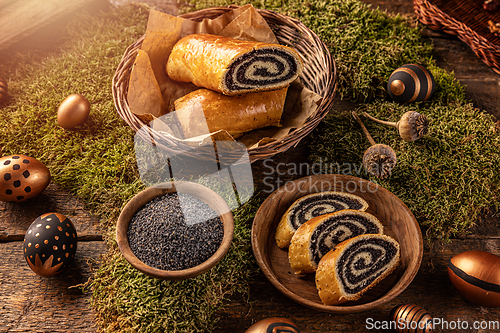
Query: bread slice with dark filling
column 321, row 234
column 355, row 266
column 313, row 205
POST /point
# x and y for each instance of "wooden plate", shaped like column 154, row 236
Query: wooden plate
column 397, row 219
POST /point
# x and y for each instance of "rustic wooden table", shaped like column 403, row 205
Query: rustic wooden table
column 33, row 304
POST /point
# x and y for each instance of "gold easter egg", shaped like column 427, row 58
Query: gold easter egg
column 22, row 177
column 73, row 111
column 476, row 276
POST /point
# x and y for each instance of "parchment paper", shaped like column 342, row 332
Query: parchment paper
column 149, row 80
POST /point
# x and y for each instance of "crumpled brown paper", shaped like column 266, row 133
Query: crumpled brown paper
column 149, row 79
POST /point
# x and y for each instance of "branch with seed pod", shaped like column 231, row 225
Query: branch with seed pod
column 412, row 125
column 379, row 159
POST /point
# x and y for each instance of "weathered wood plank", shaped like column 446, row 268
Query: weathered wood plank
column 430, row 289
column 482, row 84
column 33, row 304
column 15, row 218
column 393, row 6
column 30, row 303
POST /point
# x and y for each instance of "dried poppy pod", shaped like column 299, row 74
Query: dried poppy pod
column 412, row 125
column 379, row 159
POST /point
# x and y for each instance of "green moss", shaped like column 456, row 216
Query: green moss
column 129, row 301
column 367, row 44
column 97, row 163
column 446, row 178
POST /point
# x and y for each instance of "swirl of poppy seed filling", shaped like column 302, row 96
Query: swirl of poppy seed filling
column 316, row 206
column 261, row 67
column 337, row 229
column 363, row 262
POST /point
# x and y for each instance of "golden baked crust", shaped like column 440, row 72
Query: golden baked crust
column 205, row 111
column 206, row 60
column 300, row 253
column 330, row 289
column 285, row 229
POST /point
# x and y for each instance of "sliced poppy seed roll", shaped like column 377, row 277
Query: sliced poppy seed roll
column 321, row 234
column 231, row 66
column 313, row 205
column 355, row 266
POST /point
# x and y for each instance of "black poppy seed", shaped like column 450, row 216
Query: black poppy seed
column 175, row 232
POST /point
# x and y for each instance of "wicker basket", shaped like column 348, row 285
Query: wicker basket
column 319, row 75
column 466, row 19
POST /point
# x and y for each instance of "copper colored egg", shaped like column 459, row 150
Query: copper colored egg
column 273, row 325
column 22, row 177
column 50, row 244
column 476, row 276
column 411, row 83
column 3, row 88
column 411, row 318
column 73, row 111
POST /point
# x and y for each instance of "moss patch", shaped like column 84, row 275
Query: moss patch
column 447, row 178
column 367, row 45
column 97, row 163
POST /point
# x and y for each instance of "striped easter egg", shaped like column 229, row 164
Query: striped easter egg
column 411, row 83
column 273, row 325
column 411, row 318
column 3, row 89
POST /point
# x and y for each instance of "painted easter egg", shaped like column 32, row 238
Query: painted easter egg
column 22, row 177
column 273, row 325
column 476, row 276
column 411, row 83
column 3, row 89
column 411, row 318
column 73, row 111
column 50, row 244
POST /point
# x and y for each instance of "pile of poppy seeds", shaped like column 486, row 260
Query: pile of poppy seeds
column 174, row 232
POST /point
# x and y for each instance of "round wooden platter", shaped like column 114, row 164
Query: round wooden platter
column 212, row 199
column 398, row 221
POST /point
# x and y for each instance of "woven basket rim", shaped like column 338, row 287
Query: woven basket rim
column 305, row 35
column 437, row 18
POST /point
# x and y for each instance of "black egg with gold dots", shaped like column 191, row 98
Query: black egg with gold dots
column 50, row 244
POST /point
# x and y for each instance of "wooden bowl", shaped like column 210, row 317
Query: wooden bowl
column 397, row 219
column 196, row 190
